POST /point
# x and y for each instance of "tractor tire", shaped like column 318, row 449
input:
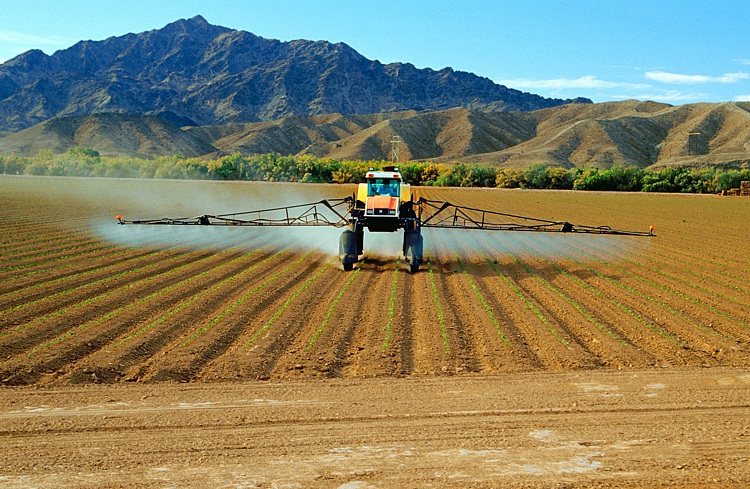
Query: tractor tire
column 359, row 233
column 413, row 247
column 348, row 248
column 348, row 267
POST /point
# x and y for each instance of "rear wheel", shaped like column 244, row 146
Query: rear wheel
column 348, row 267
column 414, row 268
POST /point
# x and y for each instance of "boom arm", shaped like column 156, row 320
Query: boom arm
column 428, row 213
column 322, row 213
column 438, row 214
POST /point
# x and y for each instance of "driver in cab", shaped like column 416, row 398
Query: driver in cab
column 386, row 189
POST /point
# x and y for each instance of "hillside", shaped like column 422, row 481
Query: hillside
column 615, row 133
column 193, row 73
column 628, row 133
column 109, row 134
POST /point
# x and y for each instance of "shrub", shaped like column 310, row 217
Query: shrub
column 510, row 178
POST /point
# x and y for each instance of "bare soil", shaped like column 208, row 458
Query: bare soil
column 247, row 357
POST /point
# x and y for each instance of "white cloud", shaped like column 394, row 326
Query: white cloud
column 672, row 96
column 584, row 82
column 741, row 98
column 19, row 38
column 664, row 77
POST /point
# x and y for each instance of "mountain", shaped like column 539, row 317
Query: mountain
column 193, row 73
column 576, row 135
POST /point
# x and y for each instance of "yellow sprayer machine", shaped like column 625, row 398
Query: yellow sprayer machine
column 384, row 204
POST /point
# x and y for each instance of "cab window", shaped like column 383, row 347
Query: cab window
column 382, row 186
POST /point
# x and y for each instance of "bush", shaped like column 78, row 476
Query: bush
column 412, row 173
column 537, row 176
column 13, row 165
column 510, row 178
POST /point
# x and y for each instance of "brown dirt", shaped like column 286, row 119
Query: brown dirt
column 165, row 356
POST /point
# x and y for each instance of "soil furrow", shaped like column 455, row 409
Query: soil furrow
column 190, row 360
column 293, row 352
column 602, row 344
column 33, row 338
column 63, row 298
column 267, row 334
column 86, row 302
column 136, row 349
column 683, row 342
column 681, row 293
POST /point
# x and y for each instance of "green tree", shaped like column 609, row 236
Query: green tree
column 227, row 168
column 13, row 165
column 537, row 176
column 412, row 173
column 430, row 174
column 510, row 178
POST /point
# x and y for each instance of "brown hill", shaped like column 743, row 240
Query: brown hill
column 631, row 133
column 426, row 135
column 577, row 135
column 110, row 134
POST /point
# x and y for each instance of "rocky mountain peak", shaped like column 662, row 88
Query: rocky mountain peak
column 196, row 72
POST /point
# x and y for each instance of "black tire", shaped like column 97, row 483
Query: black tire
column 359, row 233
column 414, row 268
column 348, row 267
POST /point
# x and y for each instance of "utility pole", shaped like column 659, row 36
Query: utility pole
column 693, row 143
column 395, row 143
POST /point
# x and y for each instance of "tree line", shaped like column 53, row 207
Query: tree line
column 84, row 162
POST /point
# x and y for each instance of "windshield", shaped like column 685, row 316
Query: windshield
column 382, row 186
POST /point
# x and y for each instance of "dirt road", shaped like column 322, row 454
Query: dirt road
column 657, row 428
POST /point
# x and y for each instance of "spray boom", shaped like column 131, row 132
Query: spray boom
column 384, row 204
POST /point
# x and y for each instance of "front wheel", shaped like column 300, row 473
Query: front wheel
column 348, row 267
column 414, row 268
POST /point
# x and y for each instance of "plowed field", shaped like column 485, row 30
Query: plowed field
column 85, row 301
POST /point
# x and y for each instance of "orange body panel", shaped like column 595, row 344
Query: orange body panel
column 382, row 202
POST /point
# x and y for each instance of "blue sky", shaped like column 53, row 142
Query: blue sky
column 669, row 51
